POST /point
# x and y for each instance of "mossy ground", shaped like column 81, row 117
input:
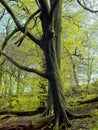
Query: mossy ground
column 73, row 99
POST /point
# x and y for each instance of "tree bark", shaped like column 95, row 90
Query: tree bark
column 56, row 89
column 52, row 58
column 57, row 29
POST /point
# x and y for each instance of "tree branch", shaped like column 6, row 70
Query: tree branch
column 21, row 28
column 44, row 18
column 31, row 17
column 25, row 27
column 88, row 9
column 2, row 14
column 8, row 72
column 44, row 7
column 8, row 37
column 11, row 13
column 23, row 67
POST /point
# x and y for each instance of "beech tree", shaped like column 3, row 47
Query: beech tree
column 49, row 13
column 50, row 18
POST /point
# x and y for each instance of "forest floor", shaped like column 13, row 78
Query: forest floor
column 73, row 101
column 90, row 108
column 88, row 123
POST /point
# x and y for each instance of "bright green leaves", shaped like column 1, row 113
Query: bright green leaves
column 73, row 34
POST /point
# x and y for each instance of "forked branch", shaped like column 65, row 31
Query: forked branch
column 11, row 13
column 25, row 27
column 21, row 28
column 44, row 7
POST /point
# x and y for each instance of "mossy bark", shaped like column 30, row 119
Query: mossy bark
column 55, row 84
column 57, row 28
column 51, row 48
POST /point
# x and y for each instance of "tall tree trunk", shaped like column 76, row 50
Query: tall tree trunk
column 54, row 79
column 51, row 48
column 57, row 29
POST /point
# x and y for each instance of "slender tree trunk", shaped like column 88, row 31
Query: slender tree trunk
column 74, row 68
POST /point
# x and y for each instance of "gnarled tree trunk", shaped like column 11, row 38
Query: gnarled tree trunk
column 52, row 58
column 54, row 80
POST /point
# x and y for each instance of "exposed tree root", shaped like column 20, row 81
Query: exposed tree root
column 40, row 110
column 24, row 113
column 42, row 123
column 88, row 101
column 77, row 116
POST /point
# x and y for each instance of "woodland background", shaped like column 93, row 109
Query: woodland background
column 25, row 91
